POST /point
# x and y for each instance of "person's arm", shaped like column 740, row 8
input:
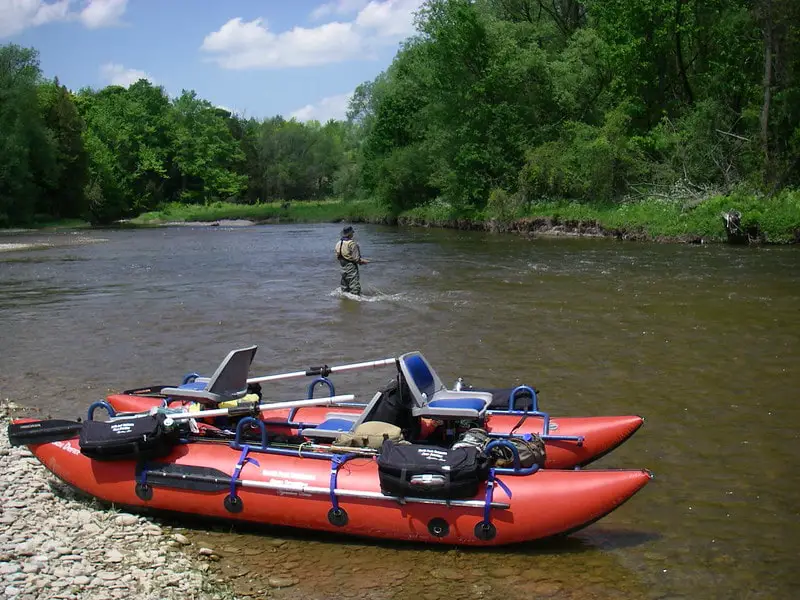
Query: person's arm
column 357, row 254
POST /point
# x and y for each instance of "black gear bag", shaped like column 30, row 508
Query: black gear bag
column 143, row 438
column 431, row 471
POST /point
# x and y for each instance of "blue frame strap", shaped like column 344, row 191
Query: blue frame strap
column 487, row 507
column 143, row 475
column 243, row 460
column 337, row 460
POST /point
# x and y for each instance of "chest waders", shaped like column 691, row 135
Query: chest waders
column 351, row 280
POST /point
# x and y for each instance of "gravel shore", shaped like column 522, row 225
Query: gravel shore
column 56, row 544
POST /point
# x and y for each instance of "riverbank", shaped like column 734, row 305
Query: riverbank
column 763, row 221
column 772, row 221
column 57, row 544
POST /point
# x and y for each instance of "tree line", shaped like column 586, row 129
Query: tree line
column 508, row 102
column 113, row 153
column 491, row 104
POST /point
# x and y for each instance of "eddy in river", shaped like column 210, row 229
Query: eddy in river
column 349, row 256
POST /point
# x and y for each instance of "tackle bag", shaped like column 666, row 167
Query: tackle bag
column 143, row 437
column 431, row 471
column 475, row 437
column 531, row 452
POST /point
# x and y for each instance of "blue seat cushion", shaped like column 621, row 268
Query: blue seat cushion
column 464, row 403
column 335, row 424
column 193, row 385
column 420, row 373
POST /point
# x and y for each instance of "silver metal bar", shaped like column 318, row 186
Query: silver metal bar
column 341, row 368
column 301, row 487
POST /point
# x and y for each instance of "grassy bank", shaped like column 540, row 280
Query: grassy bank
column 284, row 212
column 774, row 220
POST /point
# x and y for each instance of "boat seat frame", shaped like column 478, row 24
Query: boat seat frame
column 229, row 381
column 432, row 399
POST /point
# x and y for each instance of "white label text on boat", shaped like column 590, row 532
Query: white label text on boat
column 68, row 447
column 288, row 475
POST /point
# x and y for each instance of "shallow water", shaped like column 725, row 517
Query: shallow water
column 704, row 341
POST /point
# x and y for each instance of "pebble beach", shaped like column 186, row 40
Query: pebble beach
column 56, row 544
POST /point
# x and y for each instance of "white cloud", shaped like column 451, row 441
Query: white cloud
column 246, row 45
column 392, row 18
column 117, row 74
column 102, row 13
column 242, row 44
column 331, row 107
column 18, row 15
column 338, row 7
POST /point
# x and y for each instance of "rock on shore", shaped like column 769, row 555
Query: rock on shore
column 57, row 545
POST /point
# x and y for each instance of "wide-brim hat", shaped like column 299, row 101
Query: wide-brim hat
column 347, row 231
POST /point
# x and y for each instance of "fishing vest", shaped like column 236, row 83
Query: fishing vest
column 347, row 250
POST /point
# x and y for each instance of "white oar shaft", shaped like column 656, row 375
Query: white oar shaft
column 302, row 487
column 319, row 370
column 219, row 412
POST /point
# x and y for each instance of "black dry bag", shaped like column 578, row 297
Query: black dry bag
column 143, row 438
column 431, row 471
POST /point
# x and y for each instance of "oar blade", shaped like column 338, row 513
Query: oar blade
column 42, row 432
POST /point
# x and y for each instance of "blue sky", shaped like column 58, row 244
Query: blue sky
column 300, row 58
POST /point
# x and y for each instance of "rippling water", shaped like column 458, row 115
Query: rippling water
column 704, row 341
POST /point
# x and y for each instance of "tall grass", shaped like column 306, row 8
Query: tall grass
column 776, row 219
column 289, row 212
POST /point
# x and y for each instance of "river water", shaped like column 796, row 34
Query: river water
column 704, row 341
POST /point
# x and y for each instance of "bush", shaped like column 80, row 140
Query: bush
column 587, row 163
column 504, row 207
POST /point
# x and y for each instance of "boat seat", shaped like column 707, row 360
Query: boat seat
column 335, row 424
column 229, row 381
column 432, row 399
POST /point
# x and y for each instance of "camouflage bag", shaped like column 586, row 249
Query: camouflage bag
column 531, row 452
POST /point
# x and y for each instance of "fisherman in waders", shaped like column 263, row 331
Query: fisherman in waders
column 349, row 256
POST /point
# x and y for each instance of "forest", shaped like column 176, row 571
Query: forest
column 492, row 107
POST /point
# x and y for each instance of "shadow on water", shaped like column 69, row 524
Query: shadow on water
column 280, row 562
column 322, row 565
column 40, row 259
column 27, row 294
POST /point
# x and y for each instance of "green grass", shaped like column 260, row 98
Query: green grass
column 47, row 222
column 289, row 212
column 773, row 220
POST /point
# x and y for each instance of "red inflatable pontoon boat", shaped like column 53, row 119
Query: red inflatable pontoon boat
column 569, row 441
column 341, row 493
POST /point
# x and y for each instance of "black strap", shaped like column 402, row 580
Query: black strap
column 519, row 423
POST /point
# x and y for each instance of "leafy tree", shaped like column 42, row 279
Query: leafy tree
column 207, row 155
column 28, row 164
column 66, row 198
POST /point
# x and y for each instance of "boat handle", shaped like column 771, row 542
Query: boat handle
column 507, row 444
column 100, row 404
column 523, row 388
column 246, row 421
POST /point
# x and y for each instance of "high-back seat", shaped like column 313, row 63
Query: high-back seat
column 432, row 399
column 229, row 381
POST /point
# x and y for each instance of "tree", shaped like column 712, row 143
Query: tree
column 27, row 149
column 207, row 156
column 66, row 198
